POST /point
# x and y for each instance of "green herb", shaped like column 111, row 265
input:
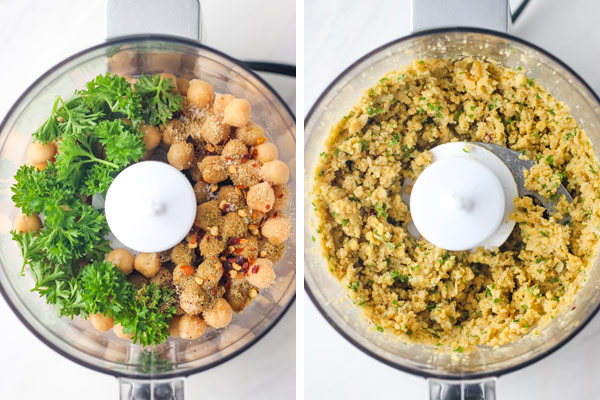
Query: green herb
column 530, row 82
column 550, row 160
column 158, row 101
column 380, row 209
column 551, row 112
column 345, row 222
column 553, row 280
column 373, row 111
column 488, row 292
column 94, row 145
column 336, row 152
column 379, row 328
column 459, row 349
column 354, row 285
column 544, row 234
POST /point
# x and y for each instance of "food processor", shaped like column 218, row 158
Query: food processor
column 157, row 373
column 443, row 29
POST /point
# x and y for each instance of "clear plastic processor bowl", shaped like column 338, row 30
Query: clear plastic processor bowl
column 328, row 294
column 77, row 339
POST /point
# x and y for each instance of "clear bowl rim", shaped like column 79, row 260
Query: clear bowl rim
column 323, row 312
column 123, row 374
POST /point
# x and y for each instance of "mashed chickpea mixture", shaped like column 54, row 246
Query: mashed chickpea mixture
column 422, row 293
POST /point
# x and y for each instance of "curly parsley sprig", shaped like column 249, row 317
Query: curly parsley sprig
column 97, row 133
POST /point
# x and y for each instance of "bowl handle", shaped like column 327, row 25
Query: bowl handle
column 160, row 389
column 433, row 14
column 484, row 389
column 137, row 17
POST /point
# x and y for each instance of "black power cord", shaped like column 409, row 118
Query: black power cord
column 275, row 68
column 518, row 11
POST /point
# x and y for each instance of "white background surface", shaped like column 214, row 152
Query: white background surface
column 337, row 33
column 35, row 35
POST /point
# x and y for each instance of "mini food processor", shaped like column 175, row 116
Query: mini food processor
column 156, row 373
column 452, row 30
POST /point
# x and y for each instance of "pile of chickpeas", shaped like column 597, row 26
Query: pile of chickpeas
column 240, row 228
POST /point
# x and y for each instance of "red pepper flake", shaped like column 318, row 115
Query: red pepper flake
column 268, row 207
column 214, row 291
column 254, row 153
column 187, row 270
column 234, row 241
column 239, row 250
column 280, row 196
column 196, row 224
column 228, row 159
column 241, row 187
column 255, row 165
column 244, row 159
column 252, row 261
column 255, row 269
column 226, row 207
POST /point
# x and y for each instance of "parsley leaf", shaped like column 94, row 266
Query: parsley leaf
column 158, row 101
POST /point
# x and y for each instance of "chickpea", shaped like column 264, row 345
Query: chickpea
column 181, row 273
column 174, row 326
column 261, row 274
column 202, row 192
column 118, row 330
column 237, row 112
column 41, row 166
column 183, row 85
column 192, row 299
column 200, row 94
column 27, row 223
column 137, row 280
column 220, row 315
column 213, row 130
column 150, row 136
column 275, row 172
column 39, row 153
column 147, row 264
column 249, row 133
column 101, row 322
column 181, row 155
column 277, row 229
column 235, row 149
column 191, row 326
column 282, row 197
column 213, row 169
column 123, row 259
column 173, row 132
column 166, row 76
column 221, row 101
column 261, row 197
column 266, row 152
column 163, row 277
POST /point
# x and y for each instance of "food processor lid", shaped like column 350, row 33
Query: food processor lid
column 463, row 200
column 150, row 206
